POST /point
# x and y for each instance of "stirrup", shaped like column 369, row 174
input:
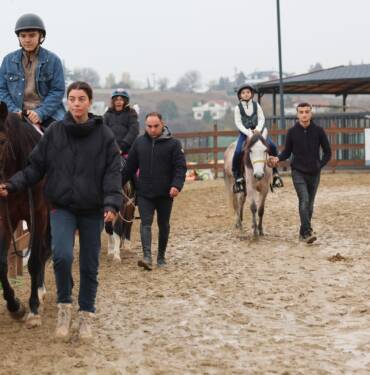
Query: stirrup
column 239, row 186
column 277, row 182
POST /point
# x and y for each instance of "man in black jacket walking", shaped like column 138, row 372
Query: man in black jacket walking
column 304, row 141
column 162, row 167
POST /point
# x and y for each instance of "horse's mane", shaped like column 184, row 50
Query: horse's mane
column 22, row 136
column 257, row 136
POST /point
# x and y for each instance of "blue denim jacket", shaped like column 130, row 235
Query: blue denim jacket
column 49, row 84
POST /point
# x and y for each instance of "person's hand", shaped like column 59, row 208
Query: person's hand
column 109, row 216
column 33, row 117
column 174, row 192
column 3, row 190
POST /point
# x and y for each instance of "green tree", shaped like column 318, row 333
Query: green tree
column 168, row 109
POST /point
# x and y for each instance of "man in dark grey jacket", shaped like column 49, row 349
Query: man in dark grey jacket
column 304, row 141
column 161, row 163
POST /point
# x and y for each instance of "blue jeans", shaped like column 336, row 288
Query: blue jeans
column 64, row 224
column 306, row 186
column 239, row 149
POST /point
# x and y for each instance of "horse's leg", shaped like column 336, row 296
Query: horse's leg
column 44, row 256
column 115, row 239
column 110, row 244
column 14, row 306
column 253, row 207
column 127, row 226
column 261, row 210
column 36, row 264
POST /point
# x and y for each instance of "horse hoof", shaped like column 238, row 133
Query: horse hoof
column 116, row 258
column 33, row 320
column 20, row 313
column 41, row 292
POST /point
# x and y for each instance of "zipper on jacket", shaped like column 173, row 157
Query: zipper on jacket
column 151, row 158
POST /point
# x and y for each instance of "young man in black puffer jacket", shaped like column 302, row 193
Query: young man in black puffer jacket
column 304, row 141
column 162, row 168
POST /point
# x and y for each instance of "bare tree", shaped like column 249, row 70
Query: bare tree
column 88, row 75
column 189, row 82
column 110, row 81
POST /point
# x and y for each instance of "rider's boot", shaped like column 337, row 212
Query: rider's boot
column 277, row 181
column 239, row 184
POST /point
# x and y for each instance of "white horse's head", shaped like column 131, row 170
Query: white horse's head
column 257, row 155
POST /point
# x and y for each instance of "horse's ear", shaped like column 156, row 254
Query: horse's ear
column 264, row 133
column 3, row 111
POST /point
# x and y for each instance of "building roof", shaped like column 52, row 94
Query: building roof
column 340, row 80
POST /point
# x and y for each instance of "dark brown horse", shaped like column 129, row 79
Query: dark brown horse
column 122, row 227
column 17, row 139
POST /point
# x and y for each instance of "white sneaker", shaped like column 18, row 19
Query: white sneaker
column 84, row 321
column 64, row 320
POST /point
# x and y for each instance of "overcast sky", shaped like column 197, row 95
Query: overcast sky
column 169, row 37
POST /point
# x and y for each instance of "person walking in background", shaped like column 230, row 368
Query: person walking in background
column 161, row 162
column 81, row 161
column 31, row 78
column 304, row 141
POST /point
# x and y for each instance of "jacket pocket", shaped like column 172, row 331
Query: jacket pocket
column 12, row 77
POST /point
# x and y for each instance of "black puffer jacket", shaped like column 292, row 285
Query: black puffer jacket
column 124, row 125
column 161, row 162
column 81, row 163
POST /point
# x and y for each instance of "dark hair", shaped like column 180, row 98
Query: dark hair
column 80, row 85
column 154, row 114
column 304, row 104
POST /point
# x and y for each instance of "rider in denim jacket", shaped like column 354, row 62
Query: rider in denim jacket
column 32, row 78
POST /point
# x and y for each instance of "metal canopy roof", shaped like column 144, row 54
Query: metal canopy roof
column 340, row 80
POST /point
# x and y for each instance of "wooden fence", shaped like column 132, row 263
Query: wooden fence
column 207, row 145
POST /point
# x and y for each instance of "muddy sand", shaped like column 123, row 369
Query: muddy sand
column 226, row 304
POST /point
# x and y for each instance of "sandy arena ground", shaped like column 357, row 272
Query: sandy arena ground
column 226, row 304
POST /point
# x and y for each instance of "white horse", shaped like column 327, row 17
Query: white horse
column 257, row 176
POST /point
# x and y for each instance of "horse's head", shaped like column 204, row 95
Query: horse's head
column 256, row 155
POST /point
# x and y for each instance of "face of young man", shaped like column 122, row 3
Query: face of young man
column 79, row 104
column 246, row 94
column 154, row 126
column 29, row 40
column 304, row 115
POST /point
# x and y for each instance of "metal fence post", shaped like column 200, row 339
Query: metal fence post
column 215, row 148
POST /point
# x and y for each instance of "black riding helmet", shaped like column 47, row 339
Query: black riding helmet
column 28, row 22
column 246, row 86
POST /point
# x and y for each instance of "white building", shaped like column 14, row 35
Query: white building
column 216, row 108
